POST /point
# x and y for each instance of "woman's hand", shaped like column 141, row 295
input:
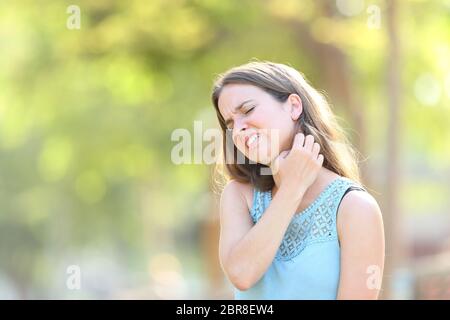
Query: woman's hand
column 298, row 168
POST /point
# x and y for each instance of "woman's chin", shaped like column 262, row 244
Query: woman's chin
column 261, row 160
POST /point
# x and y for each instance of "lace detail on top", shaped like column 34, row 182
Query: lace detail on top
column 317, row 223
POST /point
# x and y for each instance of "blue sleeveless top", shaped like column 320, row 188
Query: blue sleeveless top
column 307, row 263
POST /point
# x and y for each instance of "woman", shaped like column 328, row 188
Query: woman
column 295, row 221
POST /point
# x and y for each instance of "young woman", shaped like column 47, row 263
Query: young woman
column 295, row 221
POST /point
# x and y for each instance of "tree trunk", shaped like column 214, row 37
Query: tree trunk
column 391, row 212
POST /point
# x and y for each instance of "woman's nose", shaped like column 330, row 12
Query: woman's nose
column 240, row 125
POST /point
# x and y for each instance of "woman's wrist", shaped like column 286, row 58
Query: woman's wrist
column 293, row 193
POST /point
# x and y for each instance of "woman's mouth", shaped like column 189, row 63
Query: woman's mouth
column 252, row 141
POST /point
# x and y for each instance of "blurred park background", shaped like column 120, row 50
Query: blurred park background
column 87, row 112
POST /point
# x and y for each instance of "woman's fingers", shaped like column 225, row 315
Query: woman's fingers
column 299, row 139
column 315, row 150
column 320, row 159
column 309, row 141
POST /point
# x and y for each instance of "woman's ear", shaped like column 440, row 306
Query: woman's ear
column 296, row 106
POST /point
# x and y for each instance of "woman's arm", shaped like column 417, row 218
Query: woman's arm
column 361, row 236
column 246, row 250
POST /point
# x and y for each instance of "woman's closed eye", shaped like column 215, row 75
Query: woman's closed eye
column 249, row 110
column 245, row 112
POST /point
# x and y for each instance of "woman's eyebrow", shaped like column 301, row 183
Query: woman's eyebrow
column 236, row 109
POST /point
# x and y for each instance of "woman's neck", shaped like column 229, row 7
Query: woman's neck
column 324, row 178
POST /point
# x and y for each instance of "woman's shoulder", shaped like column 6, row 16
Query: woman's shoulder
column 235, row 190
column 358, row 198
column 360, row 210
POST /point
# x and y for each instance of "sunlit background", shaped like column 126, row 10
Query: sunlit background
column 86, row 117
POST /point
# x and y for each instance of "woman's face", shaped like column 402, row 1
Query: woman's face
column 262, row 126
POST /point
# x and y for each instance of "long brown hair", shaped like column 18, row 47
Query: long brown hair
column 317, row 119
